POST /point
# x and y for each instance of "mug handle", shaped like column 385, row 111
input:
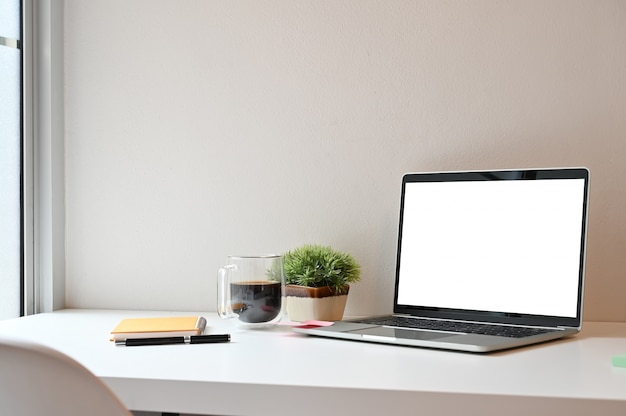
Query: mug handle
column 224, row 307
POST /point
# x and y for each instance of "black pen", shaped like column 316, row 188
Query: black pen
column 194, row 339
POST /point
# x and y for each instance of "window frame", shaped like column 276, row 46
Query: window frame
column 43, row 156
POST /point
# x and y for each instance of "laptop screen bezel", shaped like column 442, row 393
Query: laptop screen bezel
column 491, row 316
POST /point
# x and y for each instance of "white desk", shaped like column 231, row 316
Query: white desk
column 277, row 372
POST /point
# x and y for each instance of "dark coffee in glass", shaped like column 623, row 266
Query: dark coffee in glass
column 256, row 301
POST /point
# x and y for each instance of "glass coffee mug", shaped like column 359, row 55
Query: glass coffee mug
column 250, row 289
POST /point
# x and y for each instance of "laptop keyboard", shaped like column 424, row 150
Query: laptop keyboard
column 455, row 326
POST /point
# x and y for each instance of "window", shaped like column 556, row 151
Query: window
column 11, row 280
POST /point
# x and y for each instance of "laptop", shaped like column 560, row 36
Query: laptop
column 486, row 261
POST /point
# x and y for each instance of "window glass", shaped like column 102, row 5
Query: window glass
column 10, row 19
column 10, row 160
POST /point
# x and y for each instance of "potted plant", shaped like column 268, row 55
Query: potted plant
column 318, row 281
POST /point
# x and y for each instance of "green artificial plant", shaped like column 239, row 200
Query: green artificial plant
column 318, row 266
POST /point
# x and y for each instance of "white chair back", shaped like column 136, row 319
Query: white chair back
column 37, row 380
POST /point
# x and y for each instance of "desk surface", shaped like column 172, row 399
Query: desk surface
column 278, row 372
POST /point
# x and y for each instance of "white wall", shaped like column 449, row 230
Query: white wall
column 198, row 129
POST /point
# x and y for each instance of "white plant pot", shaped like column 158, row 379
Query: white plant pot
column 320, row 304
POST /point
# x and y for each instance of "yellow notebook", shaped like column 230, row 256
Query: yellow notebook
column 158, row 327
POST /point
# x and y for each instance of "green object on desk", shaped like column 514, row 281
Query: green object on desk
column 619, row 360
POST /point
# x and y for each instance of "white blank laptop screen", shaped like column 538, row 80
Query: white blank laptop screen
column 503, row 246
